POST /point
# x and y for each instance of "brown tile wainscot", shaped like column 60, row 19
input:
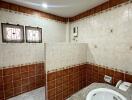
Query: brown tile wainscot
column 63, row 83
column 95, row 73
column 20, row 79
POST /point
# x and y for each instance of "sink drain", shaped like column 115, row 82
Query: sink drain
column 94, row 94
column 114, row 98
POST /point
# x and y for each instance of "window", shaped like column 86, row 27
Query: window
column 12, row 33
column 33, row 34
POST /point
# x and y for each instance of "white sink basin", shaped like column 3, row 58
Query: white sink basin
column 104, row 94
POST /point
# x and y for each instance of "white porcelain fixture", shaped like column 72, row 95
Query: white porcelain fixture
column 104, row 94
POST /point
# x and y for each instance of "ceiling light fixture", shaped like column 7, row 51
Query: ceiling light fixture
column 44, row 5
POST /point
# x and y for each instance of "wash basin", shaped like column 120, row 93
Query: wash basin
column 104, row 94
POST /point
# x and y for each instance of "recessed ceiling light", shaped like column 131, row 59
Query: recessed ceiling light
column 44, row 5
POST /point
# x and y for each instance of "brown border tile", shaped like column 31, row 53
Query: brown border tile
column 99, row 8
column 22, row 9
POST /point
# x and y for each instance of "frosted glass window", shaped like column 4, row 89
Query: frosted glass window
column 33, row 34
column 12, row 33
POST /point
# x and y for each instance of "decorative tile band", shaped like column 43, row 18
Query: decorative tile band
column 22, row 9
column 20, row 79
column 66, row 67
column 111, row 68
column 19, row 65
column 109, row 5
column 34, row 15
column 97, row 9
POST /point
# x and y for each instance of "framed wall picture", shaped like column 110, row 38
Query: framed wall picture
column 12, row 33
column 33, row 34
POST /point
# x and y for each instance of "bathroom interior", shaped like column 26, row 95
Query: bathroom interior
column 65, row 50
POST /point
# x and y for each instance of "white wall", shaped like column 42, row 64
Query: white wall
column 21, row 53
column 59, row 55
column 113, row 49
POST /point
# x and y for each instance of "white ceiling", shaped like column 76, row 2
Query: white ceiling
column 64, row 8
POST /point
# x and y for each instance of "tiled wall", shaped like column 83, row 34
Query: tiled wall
column 108, row 35
column 52, row 31
column 104, row 6
column 30, row 11
column 20, row 79
column 97, row 9
column 59, row 55
column 62, row 81
column 65, row 82
column 95, row 73
column 21, row 53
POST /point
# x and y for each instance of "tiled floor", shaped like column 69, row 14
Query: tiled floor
column 38, row 94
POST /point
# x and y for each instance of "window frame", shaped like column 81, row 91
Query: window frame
column 26, row 35
column 12, row 41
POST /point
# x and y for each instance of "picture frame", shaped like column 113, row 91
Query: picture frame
column 12, row 33
column 33, row 34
